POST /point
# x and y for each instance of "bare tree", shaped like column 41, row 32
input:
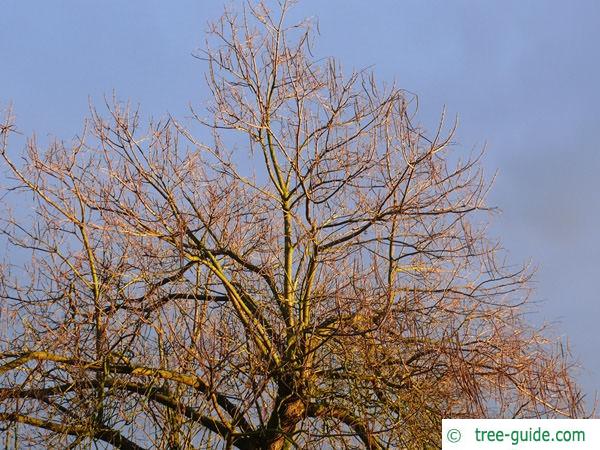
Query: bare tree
column 313, row 274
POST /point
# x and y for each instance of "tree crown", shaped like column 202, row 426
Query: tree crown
column 314, row 275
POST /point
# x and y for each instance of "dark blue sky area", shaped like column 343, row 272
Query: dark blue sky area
column 521, row 75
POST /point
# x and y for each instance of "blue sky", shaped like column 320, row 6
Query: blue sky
column 521, row 75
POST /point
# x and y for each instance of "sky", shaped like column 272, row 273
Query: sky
column 522, row 76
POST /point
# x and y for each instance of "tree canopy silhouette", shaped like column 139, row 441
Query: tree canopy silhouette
column 312, row 273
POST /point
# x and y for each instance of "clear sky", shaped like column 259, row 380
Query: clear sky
column 522, row 76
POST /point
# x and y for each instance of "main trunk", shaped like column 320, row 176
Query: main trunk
column 279, row 431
